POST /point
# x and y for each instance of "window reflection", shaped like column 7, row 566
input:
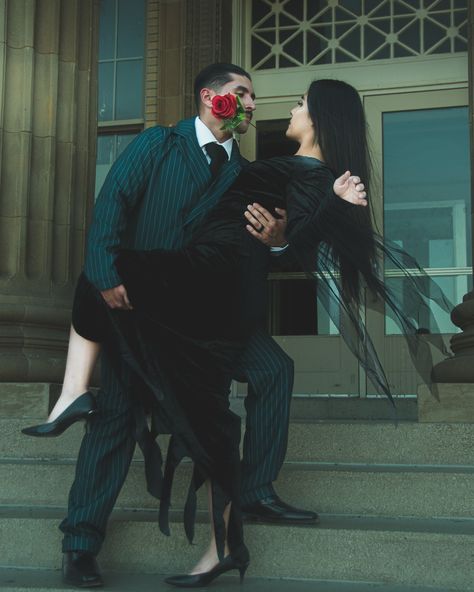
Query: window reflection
column 121, row 59
column 109, row 148
column 427, row 199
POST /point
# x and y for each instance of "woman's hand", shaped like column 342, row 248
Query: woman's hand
column 349, row 188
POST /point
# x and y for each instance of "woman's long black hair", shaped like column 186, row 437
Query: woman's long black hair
column 340, row 128
column 352, row 247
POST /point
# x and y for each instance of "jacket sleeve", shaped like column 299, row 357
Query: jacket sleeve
column 308, row 198
column 123, row 189
column 315, row 213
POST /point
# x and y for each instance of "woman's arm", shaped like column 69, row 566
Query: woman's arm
column 310, row 203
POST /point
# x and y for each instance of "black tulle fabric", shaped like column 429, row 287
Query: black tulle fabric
column 194, row 309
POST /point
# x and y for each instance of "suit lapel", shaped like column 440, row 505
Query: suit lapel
column 192, row 153
column 225, row 178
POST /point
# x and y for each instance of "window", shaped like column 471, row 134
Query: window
column 121, row 79
column 292, row 33
column 427, row 201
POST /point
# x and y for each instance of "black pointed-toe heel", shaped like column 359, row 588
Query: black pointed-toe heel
column 229, row 563
column 82, row 408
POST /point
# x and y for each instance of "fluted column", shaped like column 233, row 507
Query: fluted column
column 47, row 162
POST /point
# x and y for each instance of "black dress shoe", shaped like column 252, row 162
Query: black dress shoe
column 80, row 569
column 273, row 509
column 82, row 408
column 239, row 560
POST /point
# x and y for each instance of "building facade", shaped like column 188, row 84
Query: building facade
column 80, row 79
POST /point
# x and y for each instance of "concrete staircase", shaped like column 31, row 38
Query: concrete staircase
column 396, row 505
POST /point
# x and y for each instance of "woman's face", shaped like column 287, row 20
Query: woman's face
column 300, row 126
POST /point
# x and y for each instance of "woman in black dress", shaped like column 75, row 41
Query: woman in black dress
column 194, row 308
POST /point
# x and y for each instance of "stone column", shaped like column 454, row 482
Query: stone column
column 48, row 51
column 456, row 375
column 190, row 35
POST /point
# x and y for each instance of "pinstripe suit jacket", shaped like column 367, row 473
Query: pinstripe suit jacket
column 153, row 197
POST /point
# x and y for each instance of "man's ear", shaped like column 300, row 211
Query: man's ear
column 206, row 96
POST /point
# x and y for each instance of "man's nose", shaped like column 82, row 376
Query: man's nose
column 250, row 105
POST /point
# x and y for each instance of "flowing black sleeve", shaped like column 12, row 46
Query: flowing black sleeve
column 330, row 243
column 310, row 201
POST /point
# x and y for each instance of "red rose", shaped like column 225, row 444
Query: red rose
column 224, row 107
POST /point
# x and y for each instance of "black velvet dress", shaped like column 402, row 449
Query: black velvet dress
column 194, row 309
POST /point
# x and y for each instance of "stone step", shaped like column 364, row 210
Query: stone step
column 384, row 490
column 380, row 442
column 21, row 580
column 32, row 400
column 414, row 552
column 320, row 407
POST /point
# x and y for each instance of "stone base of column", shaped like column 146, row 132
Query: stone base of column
column 33, row 341
column 454, row 377
column 455, row 404
column 458, row 369
column 27, row 399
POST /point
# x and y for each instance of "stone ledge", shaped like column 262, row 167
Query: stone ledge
column 455, row 404
column 27, row 399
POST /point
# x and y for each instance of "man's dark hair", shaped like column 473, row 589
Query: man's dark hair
column 215, row 76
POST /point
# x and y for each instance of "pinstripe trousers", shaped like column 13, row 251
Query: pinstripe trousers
column 108, row 444
column 269, row 372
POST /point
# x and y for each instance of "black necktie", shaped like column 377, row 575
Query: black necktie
column 218, row 156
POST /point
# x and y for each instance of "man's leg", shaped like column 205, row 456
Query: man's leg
column 269, row 372
column 102, row 466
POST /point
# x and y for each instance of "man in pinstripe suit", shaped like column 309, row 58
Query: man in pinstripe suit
column 154, row 196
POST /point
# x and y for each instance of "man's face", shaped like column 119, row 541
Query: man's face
column 243, row 88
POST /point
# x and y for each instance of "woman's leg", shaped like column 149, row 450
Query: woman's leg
column 210, row 558
column 81, row 358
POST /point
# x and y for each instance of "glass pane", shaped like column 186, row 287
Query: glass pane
column 427, row 195
column 106, row 92
column 123, row 140
column 454, row 287
column 131, row 29
column 328, row 314
column 129, row 97
column 292, row 307
column 109, row 148
column 295, row 307
column 105, row 149
column 107, row 30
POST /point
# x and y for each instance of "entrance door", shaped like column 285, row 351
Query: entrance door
column 297, row 319
column 422, row 202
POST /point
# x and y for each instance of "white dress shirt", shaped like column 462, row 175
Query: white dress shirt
column 204, row 136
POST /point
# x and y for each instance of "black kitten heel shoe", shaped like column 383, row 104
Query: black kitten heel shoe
column 82, row 408
column 203, row 579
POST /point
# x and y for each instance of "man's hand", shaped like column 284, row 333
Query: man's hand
column 266, row 228
column 117, row 298
column 350, row 188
